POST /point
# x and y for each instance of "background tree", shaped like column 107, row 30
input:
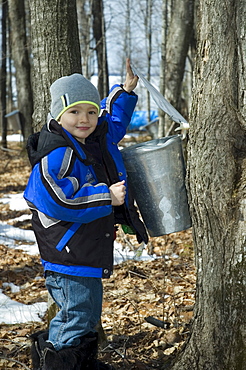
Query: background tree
column 3, row 76
column 101, row 50
column 55, row 49
column 21, row 62
column 148, row 33
column 217, row 192
column 162, row 84
column 84, row 10
column 177, row 41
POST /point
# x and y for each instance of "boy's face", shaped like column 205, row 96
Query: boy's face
column 80, row 120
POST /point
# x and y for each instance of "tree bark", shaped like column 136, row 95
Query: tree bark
column 84, row 9
column 161, row 114
column 178, row 41
column 148, row 37
column 55, row 49
column 21, row 63
column 3, row 76
column 100, row 39
column 217, row 193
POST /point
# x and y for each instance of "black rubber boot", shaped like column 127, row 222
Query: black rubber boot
column 92, row 349
column 82, row 357
column 38, row 339
column 45, row 357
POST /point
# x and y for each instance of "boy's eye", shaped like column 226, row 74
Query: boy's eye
column 74, row 111
column 92, row 112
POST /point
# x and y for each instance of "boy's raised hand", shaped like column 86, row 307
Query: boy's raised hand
column 118, row 193
column 131, row 79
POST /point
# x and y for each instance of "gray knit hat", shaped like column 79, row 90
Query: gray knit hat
column 70, row 90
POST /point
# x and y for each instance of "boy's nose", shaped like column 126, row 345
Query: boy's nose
column 83, row 117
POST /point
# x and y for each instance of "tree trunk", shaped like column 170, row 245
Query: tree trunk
column 84, row 9
column 161, row 114
column 55, row 48
column 217, row 192
column 99, row 35
column 178, row 41
column 21, row 63
column 148, row 36
column 3, row 76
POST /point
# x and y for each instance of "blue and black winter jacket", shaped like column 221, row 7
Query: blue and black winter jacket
column 68, row 192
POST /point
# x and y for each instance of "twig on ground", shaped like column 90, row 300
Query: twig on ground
column 9, row 150
column 110, row 348
column 13, row 360
column 137, row 274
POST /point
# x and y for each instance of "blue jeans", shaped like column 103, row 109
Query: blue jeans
column 80, row 303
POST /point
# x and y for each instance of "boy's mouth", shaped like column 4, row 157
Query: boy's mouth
column 83, row 128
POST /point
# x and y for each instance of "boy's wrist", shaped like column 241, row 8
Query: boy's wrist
column 125, row 89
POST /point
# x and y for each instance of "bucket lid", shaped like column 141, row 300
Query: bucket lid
column 151, row 145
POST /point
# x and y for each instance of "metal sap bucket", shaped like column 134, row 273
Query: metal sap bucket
column 156, row 176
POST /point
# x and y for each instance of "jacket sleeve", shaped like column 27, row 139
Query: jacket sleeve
column 119, row 107
column 62, row 197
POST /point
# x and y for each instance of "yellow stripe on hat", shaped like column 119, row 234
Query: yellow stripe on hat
column 75, row 103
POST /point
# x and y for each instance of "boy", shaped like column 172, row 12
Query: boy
column 77, row 192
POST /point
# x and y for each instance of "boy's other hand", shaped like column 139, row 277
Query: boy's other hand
column 131, row 79
column 118, row 193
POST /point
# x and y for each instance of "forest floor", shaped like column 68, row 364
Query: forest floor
column 162, row 288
